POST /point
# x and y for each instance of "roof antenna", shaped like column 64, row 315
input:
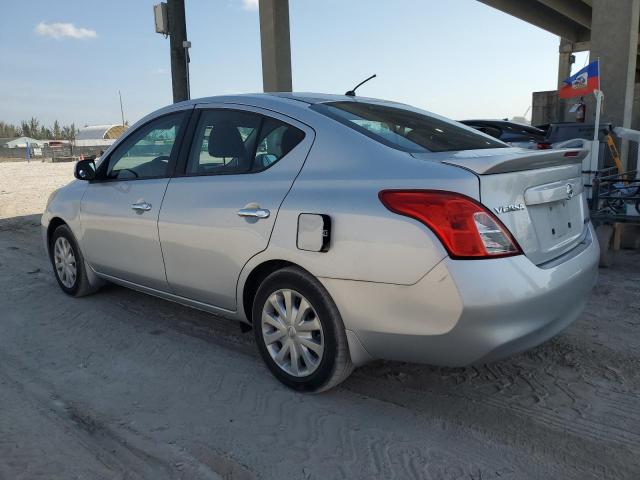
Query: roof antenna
column 352, row 93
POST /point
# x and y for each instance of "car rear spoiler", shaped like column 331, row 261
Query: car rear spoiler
column 515, row 162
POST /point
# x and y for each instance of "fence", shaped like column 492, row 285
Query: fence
column 48, row 153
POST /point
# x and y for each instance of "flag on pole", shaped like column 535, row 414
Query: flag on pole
column 582, row 83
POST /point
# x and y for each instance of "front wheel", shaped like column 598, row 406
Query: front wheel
column 68, row 263
column 299, row 331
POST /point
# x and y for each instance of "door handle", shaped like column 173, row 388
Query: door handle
column 141, row 207
column 254, row 212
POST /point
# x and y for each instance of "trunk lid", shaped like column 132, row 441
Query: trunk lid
column 538, row 196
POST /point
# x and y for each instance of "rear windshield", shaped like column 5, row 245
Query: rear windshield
column 404, row 129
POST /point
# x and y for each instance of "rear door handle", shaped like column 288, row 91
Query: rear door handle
column 254, row 212
column 141, row 207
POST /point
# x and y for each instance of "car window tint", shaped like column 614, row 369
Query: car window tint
column 493, row 131
column 276, row 140
column 146, row 152
column 405, row 129
column 530, row 130
column 224, row 142
column 520, row 131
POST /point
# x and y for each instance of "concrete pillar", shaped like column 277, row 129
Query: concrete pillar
column 564, row 63
column 544, row 107
column 276, row 46
column 564, row 72
column 614, row 39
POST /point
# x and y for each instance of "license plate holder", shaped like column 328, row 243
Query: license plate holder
column 560, row 219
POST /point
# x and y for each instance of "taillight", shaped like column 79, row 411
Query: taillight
column 543, row 145
column 465, row 227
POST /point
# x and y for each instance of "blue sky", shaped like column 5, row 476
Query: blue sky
column 458, row 58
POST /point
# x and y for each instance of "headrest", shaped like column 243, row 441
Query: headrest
column 225, row 141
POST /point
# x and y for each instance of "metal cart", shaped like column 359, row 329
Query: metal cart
column 615, row 203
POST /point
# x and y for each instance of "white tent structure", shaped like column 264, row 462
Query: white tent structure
column 21, row 142
column 97, row 135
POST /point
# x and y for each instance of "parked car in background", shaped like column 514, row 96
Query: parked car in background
column 515, row 134
column 555, row 133
column 341, row 229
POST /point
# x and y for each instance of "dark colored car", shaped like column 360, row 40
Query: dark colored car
column 515, row 134
column 562, row 131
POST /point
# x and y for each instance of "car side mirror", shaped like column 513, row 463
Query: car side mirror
column 85, row 170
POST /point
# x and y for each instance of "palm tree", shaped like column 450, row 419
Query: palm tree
column 57, row 134
column 69, row 132
column 34, row 127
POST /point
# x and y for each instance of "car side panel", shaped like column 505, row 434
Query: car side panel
column 342, row 178
column 64, row 203
column 119, row 241
column 205, row 243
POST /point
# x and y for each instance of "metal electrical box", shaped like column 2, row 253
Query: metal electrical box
column 161, row 18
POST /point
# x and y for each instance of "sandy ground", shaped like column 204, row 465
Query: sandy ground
column 25, row 187
column 122, row 385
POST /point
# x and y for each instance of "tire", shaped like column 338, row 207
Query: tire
column 78, row 285
column 315, row 372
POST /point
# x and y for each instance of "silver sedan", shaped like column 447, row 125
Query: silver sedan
column 340, row 229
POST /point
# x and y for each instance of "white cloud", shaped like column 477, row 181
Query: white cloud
column 62, row 30
column 250, row 4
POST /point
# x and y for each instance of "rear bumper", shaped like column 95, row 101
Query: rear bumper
column 466, row 312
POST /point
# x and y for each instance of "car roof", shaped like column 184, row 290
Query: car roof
column 277, row 98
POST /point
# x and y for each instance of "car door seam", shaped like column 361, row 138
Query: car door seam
column 164, row 264
column 275, row 220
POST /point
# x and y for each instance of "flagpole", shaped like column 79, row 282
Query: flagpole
column 598, row 94
column 595, row 145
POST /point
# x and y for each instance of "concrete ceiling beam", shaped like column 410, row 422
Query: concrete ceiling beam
column 542, row 16
column 575, row 10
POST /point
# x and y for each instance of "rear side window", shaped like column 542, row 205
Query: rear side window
column 276, row 140
column 404, row 129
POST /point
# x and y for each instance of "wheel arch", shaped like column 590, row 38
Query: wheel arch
column 57, row 221
column 255, row 278
column 54, row 223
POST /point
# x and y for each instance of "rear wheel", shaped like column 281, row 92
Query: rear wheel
column 299, row 331
column 68, row 263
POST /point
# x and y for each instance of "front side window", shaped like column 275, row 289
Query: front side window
column 233, row 142
column 146, row 152
column 405, row 129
